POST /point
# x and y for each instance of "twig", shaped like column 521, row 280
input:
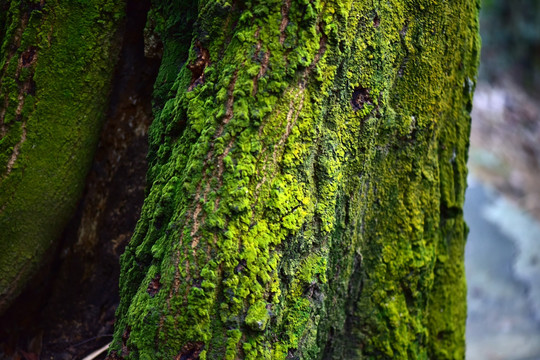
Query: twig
column 91, row 339
column 98, row 352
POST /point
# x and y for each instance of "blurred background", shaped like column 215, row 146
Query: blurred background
column 502, row 206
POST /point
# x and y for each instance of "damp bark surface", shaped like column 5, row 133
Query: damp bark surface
column 307, row 170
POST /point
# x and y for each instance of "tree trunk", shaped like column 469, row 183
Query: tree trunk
column 306, row 180
column 67, row 309
column 57, row 58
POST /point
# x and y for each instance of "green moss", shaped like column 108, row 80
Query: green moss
column 55, row 79
column 257, row 316
column 318, row 171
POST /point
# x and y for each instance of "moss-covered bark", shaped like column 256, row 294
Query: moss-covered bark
column 56, row 62
column 307, row 174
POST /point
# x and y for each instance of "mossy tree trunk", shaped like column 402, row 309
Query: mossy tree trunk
column 307, row 175
column 57, row 59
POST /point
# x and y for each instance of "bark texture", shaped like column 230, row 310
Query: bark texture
column 57, row 58
column 307, row 170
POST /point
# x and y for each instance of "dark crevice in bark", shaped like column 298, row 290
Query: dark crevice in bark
column 360, row 97
column 198, row 66
column 68, row 309
column 4, row 7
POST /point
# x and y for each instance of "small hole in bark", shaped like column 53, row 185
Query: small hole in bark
column 190, row 351
column 28, row 56
column 154, row 286
column 198, row 66
column 376, row 21
column 31, row 88
column 404, row 29
column 445, row 334
column 240, row 267
column 360, row 97
column 196, row 283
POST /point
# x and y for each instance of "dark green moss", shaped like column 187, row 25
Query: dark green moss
column 55, row 77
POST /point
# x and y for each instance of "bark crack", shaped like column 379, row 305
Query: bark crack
column 17, row 37
column 219, row 168
column 264, row 62
column 290, row 124
column 199, row 65
column 16, row 151
column 284, row 20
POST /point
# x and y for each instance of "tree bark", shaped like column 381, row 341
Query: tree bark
column 306, row 180
column 57, row 58
column 67, row 309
